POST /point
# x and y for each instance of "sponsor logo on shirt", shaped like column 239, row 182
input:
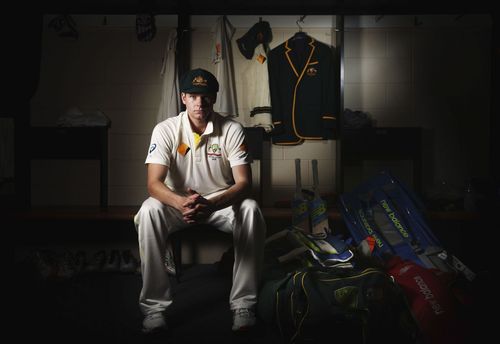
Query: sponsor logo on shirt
column 152, row 148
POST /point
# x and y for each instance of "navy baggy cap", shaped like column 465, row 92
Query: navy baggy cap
column 199, row 81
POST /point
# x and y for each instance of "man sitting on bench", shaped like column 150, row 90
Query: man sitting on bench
column 199, row 172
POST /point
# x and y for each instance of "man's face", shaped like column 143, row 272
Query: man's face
column 199, row 106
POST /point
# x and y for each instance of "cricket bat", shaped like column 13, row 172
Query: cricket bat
column 300, row 207
column 317, row 207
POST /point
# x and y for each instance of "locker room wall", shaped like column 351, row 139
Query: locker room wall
column 106, row 69
column 430, row 71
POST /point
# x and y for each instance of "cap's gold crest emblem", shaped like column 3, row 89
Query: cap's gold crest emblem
column 199, row 81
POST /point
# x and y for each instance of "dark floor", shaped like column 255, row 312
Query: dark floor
column 102, row 307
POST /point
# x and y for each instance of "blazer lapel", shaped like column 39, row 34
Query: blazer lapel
column 297, row 60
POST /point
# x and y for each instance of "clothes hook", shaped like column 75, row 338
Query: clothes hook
column 300, row 20
column 300, row 27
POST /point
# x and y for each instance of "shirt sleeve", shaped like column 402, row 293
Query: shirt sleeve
column 160, row 147
column 237, row 152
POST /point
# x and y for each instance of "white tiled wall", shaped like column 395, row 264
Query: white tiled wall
column 435, row 75
column 106, row 69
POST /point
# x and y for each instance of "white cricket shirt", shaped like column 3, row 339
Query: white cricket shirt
column 205, row 168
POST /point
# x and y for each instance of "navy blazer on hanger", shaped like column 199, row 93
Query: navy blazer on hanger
column 302, row 87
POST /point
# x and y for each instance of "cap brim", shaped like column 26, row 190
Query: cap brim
column 198, row 90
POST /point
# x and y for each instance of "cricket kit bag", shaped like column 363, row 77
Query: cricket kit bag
column 440, row 315
column 384, row 213
column 318, row 304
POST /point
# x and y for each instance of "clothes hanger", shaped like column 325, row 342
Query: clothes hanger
column 299, row 34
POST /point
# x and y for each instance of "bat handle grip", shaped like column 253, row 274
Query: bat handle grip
column 298, row 179
column 314, row 163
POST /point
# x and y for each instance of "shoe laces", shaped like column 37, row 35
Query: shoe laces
column 243, row 312
column 154, row 315
column 169, row 259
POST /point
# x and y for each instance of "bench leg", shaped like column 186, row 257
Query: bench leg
column 177, row 255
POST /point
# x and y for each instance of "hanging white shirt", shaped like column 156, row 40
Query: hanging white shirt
column 255, row 88
column 169, row 100
column 222, row 57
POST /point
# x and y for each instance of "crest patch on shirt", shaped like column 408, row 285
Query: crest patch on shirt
column 183, row 149
column 214, row 151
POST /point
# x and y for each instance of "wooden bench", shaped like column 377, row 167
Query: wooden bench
column 67, row 225
column 126, row 214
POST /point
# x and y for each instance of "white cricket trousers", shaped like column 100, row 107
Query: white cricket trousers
column 155, row 221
